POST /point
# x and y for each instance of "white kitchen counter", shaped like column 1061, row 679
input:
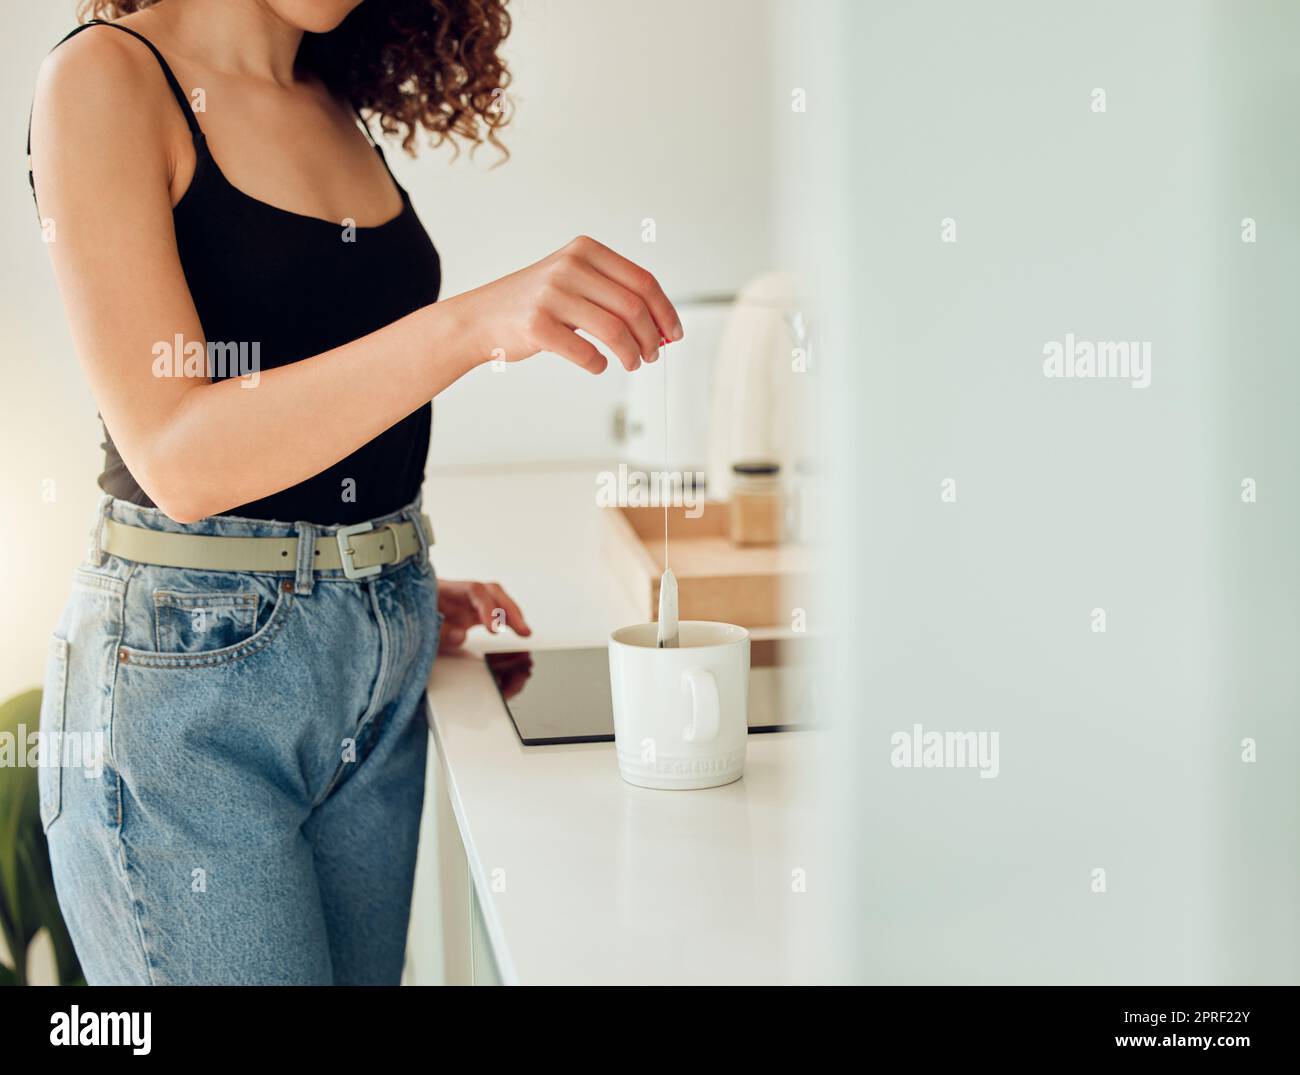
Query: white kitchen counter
column 578, row 876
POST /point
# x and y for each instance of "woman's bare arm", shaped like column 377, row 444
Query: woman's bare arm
column 106, row 139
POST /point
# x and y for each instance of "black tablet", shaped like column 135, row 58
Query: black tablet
column 562, row 695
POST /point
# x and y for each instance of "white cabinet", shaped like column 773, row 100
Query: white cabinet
column 447, row 942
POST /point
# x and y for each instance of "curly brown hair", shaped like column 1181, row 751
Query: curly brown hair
column 415, row 64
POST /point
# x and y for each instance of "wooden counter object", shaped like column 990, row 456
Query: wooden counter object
column 752, row 586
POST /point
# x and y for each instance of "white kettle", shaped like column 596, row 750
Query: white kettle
column 760, row 382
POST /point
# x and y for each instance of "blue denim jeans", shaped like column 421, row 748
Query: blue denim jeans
column 252, row 812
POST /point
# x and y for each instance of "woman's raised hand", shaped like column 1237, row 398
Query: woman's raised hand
column 584, row 286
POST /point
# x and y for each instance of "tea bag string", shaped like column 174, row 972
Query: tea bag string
column 663, row 357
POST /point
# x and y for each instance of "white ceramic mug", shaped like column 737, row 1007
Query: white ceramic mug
column 680, row 715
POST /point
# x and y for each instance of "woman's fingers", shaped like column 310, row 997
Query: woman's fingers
column 586, row 288
column 466, row 604
column 484, row 605
column 452, row 637
column 626, row 305
column 494, row 608
column 581, row 313
column 633, row 277
column 563, row 341
column 514, row 618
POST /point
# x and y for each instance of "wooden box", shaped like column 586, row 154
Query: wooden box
column 759, row 586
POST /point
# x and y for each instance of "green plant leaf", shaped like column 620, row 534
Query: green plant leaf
column 28, row 901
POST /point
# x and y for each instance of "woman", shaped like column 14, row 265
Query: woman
column 252, row 298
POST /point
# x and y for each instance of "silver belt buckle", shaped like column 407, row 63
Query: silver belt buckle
column 346, row 551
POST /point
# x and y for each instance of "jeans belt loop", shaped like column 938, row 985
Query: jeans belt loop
column 304, row 571
column 413, row 517
column 95, row 554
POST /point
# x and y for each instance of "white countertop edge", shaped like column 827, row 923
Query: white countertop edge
column 478, row 877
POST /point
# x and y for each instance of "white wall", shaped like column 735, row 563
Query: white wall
column 49, row 435
column 625, row 111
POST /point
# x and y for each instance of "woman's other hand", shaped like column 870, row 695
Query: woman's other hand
column 469, row 604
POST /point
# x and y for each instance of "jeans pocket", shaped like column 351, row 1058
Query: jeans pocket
column 195, row 622
column 238, row 630
column 49, row 776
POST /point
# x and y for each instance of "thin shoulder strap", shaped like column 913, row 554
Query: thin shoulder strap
column 374, row 143
column 195, row 130
column 365, row 126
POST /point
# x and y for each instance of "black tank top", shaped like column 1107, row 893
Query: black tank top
column 295, row 286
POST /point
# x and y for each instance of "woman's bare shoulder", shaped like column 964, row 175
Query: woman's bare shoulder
column 97, row 83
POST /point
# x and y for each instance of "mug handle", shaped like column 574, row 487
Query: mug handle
column 703, row 689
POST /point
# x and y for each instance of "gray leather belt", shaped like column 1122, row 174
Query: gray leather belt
column 358, row 551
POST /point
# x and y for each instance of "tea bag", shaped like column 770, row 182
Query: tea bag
column 667, row 610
